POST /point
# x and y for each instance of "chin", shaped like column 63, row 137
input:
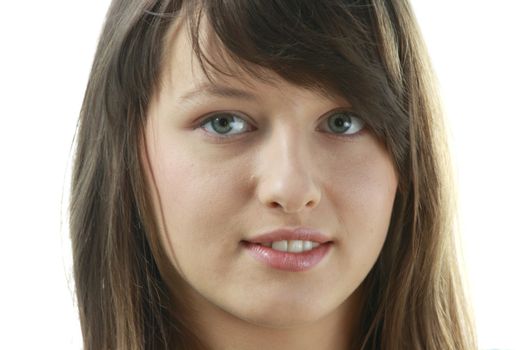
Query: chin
column 282, row 317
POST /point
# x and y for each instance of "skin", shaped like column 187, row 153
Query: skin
column 286, row 169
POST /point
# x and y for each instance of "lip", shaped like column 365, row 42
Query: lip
column 284, row 234
column 294, row 262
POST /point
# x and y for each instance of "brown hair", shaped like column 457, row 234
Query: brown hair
column 372, row 53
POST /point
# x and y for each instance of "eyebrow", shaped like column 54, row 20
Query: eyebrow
column 215, row 90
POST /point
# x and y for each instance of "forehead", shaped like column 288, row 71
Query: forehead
column 183, row 72
column 181, row 63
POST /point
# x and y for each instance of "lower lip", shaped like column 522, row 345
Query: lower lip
column 294, row 262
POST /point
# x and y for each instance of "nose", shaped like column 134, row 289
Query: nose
column 286, row 175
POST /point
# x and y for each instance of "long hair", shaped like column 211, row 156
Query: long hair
column 371, row 52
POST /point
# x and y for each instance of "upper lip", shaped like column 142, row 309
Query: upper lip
column 287, row 234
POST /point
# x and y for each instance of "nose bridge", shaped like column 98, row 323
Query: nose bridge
column 287, row 171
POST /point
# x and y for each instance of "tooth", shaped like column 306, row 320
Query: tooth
column 307, row 245
column 267, row 244
column 280, row 245
column 295, row 246
column 315, row 244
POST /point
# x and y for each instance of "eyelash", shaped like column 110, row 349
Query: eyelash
column 226, row 138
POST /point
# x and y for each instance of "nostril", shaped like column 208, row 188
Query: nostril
column 309, row 204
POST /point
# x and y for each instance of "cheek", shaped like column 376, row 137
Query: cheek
column 199, row 198
column 196, row 184
column 364, row 180
column 190, row 190
column 364, row 203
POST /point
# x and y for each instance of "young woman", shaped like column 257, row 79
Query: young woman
column 264, row 174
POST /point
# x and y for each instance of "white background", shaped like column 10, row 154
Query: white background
column 47, row 47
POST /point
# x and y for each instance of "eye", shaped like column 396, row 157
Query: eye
column 223, row 123
column 344, row 123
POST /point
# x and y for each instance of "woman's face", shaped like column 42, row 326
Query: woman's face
column 277, row 156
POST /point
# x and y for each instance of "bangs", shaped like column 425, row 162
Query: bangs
column 325, row 46
column 336, row 48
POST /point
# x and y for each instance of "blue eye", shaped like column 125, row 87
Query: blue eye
column 223, row 123
column 345, row 123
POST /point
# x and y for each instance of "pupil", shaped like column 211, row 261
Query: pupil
column 223, row 122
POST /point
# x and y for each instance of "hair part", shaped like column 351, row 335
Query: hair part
column 369, row 52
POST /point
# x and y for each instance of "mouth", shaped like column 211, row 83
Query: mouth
column 289, row 246
column 282, row 238
column 289, row 249
column 292, row 256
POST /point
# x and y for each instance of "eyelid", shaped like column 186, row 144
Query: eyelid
column 336, row 111
column 209, row 116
